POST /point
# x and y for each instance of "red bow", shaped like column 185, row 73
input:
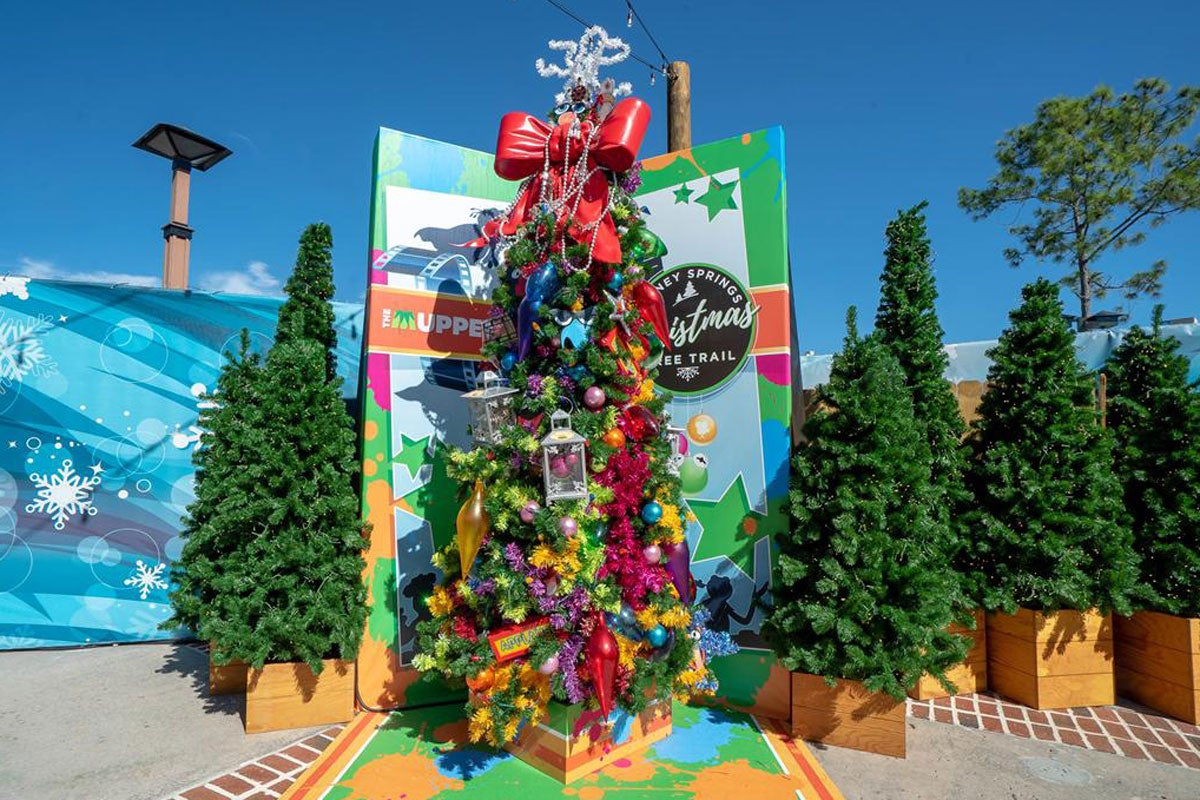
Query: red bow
column 521, row 152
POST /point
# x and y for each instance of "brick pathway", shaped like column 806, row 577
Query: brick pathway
column 264, row 778
column 1126, row 729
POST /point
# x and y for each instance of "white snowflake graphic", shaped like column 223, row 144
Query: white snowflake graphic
column 145, row 579
column 21, row 350
column 64, row 493
column 14, row 285
column 687, row 373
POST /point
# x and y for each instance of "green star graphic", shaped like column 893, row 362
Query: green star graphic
column 414, row 453
column 437, row 501
column 731, row 526
column 719, row 197
column 683, row 193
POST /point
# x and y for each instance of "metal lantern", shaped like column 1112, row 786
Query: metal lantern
column 675, row 438
column 490, row 407
column 499, row 328
column 564, row 462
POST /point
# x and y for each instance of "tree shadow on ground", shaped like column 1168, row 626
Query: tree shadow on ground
column 190, row 663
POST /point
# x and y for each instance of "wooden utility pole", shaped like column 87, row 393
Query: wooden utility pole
column 679, row 106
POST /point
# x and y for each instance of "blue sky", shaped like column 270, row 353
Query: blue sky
column 883, row 104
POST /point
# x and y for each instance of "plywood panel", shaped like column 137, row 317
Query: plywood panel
column 1012, row 683
column 1169, row 698
column 1053, row 626
column 1177, row 633
column 1067, row 691
column 847, row 715
column 968, row 677
column 226, row 678
column 282, row 696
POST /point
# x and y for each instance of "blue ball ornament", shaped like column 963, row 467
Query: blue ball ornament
column 652, row 512
column 612, row 620
column 616, row 282
column 628, row 618
column 578, row 372
column 508, row 361
column 657, row 636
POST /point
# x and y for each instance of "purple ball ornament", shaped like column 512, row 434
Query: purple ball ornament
column 559, row 468
column 529, row 511
column 653, row 554
column 594, row 398
column 568, row 526
column 549, row 666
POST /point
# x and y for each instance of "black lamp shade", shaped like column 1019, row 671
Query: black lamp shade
column 176, row 143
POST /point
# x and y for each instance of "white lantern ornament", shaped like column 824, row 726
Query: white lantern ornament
column 564, row 467
column 677, row 439
column 490, row 408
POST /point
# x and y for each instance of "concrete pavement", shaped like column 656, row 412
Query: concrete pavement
column 132, row 722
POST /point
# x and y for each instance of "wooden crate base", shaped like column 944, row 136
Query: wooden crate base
column 1158, row 662
column 847, row 715
column 1051, row 659
column 282, row 696
column 572, row 742
column 225, row 678
column 969, row 676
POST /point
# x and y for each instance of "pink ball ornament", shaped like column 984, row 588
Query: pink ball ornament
column 549, row 666
column 568, row 526
column 559, row 468
column 594, row 397
column 529, row 511
column 653, row 554
column 571, row 460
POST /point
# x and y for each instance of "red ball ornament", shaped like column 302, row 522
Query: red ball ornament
column 602, row 657
column 638, row 423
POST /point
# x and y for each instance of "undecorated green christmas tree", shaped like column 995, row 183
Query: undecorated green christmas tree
column 1154, row 414
column 1050, row 528
column 292, row 590
column 907, row 324
column 864, row 593
column 215, row 524
column 310, row 290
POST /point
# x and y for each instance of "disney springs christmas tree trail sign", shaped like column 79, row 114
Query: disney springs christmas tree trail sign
column 721, row 268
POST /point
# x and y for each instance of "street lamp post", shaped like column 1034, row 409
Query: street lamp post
column 187, row 151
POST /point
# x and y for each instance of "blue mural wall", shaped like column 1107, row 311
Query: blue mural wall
column 100, row 391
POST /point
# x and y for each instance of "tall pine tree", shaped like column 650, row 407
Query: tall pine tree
column 216, row 523
column 309, row 292
column 1051, row 532
column 865, row 593
column 907, row 324
column 292, row 590
column 1154, row 413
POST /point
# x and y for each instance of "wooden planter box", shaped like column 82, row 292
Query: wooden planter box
column 225, row 679
column 572, row 742
column 1158, row 662
column 1051, row 659
column 969, row 676
column 847, row 715
column 282, row 696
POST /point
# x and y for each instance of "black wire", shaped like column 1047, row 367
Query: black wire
column 586, row 24
column 642, row 22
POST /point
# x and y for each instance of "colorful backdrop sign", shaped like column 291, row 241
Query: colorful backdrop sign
column 720, row 210
column 100, row 392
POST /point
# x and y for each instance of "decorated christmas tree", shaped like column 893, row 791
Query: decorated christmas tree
column 569, row 577
column 864, row 591
column 1154, row 414
column 1051, row 531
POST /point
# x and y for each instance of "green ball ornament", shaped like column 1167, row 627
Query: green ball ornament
column 693, row 474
